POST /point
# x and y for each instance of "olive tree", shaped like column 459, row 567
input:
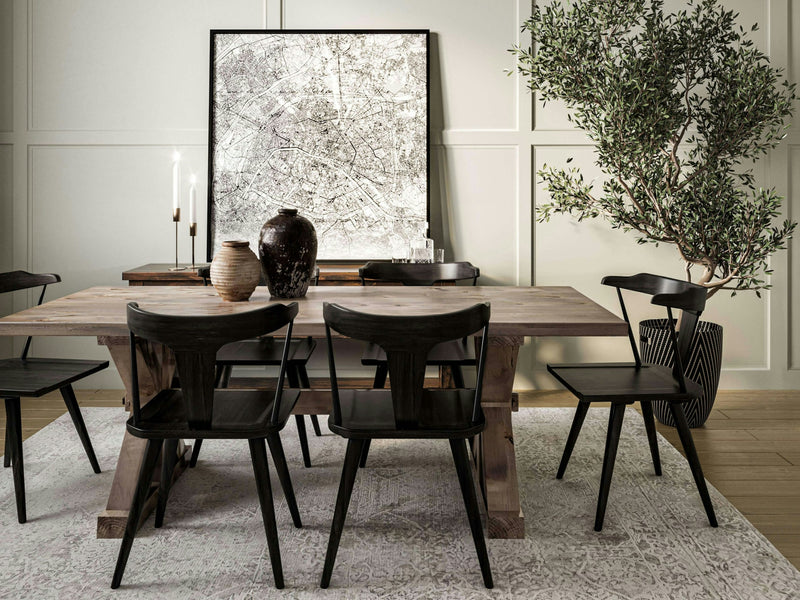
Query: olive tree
column 679, row 106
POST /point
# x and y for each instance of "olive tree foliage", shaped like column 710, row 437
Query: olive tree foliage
column 679, row 107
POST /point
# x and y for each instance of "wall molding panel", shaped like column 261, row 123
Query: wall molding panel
column 96, row 109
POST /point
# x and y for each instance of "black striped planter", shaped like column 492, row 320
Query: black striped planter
column 704, row 367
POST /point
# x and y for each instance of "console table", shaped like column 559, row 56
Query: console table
column 159, row 274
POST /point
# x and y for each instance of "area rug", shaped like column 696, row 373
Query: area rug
column 406, row 534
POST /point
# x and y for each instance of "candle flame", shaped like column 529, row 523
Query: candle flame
column 176, row 156
column 193, row 179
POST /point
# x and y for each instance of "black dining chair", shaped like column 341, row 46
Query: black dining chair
column 267, row 352
column 623, row 384
column 453, row 354
column 198, row 410
column 25, row 377
column 407, row 410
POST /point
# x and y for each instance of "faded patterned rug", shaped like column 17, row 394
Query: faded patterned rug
column 406, row 534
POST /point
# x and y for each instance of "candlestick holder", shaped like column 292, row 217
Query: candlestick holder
column 193, row 234
column 176, row 217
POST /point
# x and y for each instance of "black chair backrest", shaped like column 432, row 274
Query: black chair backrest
column 205, row 273
column 406, row 340
column 418, row 273
column 14, row 281
column 195, row 340
column 688, row 297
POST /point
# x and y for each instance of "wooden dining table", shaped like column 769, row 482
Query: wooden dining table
column 516, row 312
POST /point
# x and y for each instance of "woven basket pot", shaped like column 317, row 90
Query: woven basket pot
column 704, row 365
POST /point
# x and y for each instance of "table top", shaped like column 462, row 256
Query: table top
column 516, row 311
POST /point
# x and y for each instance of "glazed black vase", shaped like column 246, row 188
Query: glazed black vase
column 287, row 248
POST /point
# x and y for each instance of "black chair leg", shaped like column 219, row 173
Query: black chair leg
column 293, row 375
column 149, row 460
column 301, row 433
column 574, row 431
column 75, row 412
column 362, row 461
column 7, row 453
column 464, row 470
column 381, row 371
column 195, row 453
column 652, row 437
column 302, row 374
column 219, row 371
column 349, row 471
column 168, row 461
column 612, row 441
column 225, row 376
column 694, row 462
column 279, row 460
column 258, row 452
column 14, row 443
column 458, row 377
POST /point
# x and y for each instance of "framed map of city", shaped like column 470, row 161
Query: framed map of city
column 332, row 123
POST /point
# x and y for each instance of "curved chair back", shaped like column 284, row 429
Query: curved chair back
column 418, row 273
column 14, row 281
column 406, row 340
column 671, row 293
column 195, row 341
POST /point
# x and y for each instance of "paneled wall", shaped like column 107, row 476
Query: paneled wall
column 95, row 95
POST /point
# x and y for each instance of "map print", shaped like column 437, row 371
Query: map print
column 333, row 124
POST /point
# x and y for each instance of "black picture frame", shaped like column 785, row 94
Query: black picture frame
column 362, row 236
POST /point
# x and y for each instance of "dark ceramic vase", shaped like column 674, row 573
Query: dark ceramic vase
column 287, row 248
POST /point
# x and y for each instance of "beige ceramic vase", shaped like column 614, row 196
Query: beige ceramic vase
column 235, row 271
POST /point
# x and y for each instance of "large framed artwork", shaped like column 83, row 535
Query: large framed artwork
column 332, row 123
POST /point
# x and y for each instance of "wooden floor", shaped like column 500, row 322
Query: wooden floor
column 749, row 449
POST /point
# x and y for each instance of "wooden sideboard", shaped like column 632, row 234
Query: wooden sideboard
column 159, row 274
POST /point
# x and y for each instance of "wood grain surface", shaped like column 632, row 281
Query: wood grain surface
column 516, row 311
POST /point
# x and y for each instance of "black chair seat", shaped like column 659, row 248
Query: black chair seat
column 264, row 351
column 454, row 352
column 34, row 377
column 236, row 413
column 198, row 410
column 623, row 383
column 408, row 410
column 444, row 414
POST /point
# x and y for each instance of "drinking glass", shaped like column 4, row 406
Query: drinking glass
column 422, row 250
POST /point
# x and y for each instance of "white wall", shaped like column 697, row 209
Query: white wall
column 96, row 94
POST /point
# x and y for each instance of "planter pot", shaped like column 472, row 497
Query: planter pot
column 704, row 365
column 235, row 271
column 287, row 249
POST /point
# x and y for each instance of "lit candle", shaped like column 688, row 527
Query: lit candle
column 176, row 179
column 192, row 199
